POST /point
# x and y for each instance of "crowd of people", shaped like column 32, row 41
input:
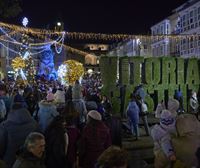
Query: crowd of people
column 50, row 125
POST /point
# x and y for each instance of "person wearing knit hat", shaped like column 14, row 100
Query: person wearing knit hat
column 167, row 120
column 19, row 102
column 173, row 106
column 94, row 140
column 95, row 115
column 161, row 134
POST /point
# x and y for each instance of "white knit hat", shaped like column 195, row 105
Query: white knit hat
column 166, row 117
column 173, row 105
column 95, row 115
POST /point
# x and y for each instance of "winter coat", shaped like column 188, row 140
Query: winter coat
column 93, row 142
column 162, row 139
column 7, row 100
column 28, row 160
column 133, row 112
column 47, row 112
column 77, row 91
column 13, row 132
column 56, row 143
column 59, row 96
column 80, row 107
column 185, row 144
column 74, row 136
column 2, row 110
column 114, row 124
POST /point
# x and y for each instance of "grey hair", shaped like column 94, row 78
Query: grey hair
column 32, row 138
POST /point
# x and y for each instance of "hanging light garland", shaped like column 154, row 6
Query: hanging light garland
column 95, row 36
column 30, row 30
column 34, row 48
column 42, row 34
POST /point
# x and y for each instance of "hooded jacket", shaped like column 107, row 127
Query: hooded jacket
column 13, row 132
column 47, row 112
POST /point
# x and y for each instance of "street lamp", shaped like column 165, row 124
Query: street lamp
column 58, row 23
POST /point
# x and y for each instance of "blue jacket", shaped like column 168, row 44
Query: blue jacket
column 133, row 112
column 13, row 132
column 47, row 112
column 7, row 100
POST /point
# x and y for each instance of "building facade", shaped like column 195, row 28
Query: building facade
column 135, row 47
column 178, row 34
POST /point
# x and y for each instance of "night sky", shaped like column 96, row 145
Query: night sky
column 103, row 16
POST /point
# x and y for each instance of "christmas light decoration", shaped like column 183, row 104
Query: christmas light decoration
column 74, row 71
column 18, row 63
column 25, row 21
column 62, row 72
column 34, row 48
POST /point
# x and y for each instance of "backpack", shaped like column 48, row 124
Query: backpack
column 2, row 109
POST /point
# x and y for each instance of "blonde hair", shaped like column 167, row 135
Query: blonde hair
column 114, row 156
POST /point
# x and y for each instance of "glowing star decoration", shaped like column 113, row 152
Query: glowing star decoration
column 25, row 21
column 74, row 72
column 62, row 71
column 18, row 63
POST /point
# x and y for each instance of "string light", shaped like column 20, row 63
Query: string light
column 42, row 33
column 32, row 46
column 58, row 40
column 30, row 30
column 62, row 71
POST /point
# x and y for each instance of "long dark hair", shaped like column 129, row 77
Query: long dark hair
column 56, row 143
column 69, row 112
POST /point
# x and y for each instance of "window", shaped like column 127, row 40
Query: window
column 191, row 13
column 167, row 29
column 198, row 10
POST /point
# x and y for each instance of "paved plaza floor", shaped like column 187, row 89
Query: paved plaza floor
column 140, row 151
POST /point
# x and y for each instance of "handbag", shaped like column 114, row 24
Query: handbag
column 144, row 109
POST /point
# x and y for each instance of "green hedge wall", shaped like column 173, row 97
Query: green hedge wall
column 152, row 71
column 160, row 76
column 108, row 66
column 192, row 72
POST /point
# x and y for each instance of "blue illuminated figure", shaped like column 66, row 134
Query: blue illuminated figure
column 46, row 68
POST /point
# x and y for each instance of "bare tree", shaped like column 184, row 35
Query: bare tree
column 9, row 8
